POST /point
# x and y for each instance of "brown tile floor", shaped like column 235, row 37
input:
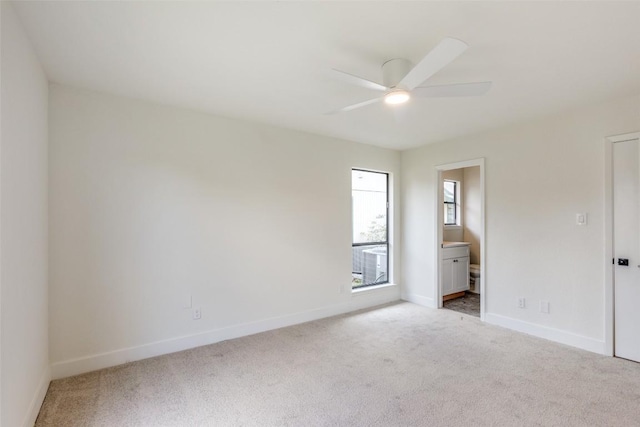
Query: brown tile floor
column 468, row 304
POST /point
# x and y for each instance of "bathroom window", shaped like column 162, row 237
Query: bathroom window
column 451, row 203
column 370, row 225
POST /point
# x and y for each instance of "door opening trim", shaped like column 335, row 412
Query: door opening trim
column 439, row 231
column 609, row 308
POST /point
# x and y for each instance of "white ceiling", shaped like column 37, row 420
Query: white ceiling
column 270, row 61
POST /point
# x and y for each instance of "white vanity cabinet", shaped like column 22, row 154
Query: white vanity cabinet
column 455, row 267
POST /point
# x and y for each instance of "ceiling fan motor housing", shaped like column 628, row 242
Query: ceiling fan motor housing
column 394, row 70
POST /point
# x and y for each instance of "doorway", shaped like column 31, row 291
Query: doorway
column 624, row 241
column 460, row 252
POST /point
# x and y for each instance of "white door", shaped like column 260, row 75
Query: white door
column 626, row 235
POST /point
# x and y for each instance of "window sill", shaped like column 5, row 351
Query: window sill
column 372, row 288
column 452, row 227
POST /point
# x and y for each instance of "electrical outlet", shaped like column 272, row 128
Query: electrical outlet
column 581, row 219
column 522, row 303
column 197, row 314
column 544, row 307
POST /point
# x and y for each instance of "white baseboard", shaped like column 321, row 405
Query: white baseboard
column 372, row 297
column 551, row 334
column 360, row 300
column 38, row 398
column 420, row 300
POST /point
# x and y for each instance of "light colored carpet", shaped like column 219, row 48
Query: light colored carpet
column 399, row 365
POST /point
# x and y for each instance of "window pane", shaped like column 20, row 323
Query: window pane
column 449, row 191
column 369, row 200
column 449, row 213
column 370, row 265
column 369, row 196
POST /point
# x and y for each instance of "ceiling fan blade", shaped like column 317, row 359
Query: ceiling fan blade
column 354, row 106
column 358, row 81
column 461, row 89
column 446, row 51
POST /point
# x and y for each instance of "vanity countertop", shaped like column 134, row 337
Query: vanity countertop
column 454, row 244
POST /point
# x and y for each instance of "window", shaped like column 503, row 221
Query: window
column 451, row 206
column 370, row 242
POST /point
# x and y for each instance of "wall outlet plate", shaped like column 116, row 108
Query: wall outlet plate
column 197, row 314
column 581, row 219
column 522, row 303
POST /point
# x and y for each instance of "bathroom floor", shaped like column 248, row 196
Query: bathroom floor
column 467, row 304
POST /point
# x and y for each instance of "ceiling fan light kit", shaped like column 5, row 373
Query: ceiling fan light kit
column 401, row 79
column 397, row 97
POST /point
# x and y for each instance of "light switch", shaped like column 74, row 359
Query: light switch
column 581, row 219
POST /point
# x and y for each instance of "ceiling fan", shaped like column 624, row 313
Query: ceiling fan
column 401, row 79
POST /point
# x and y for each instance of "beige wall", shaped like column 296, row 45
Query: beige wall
column 472, row 211
column 538, row 176
column 23, row 227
